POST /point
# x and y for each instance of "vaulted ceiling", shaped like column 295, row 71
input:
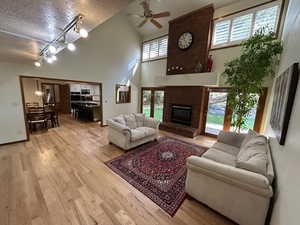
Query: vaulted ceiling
column 26, row 26
column 175, row 7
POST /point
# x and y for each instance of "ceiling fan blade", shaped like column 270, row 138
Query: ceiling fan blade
column 162, row 14
column 142, row 23
column 157, row 24
column 146, row 6
column 135, row 15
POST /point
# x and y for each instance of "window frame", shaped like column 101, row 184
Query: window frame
column 253, row 11
column 166, row 36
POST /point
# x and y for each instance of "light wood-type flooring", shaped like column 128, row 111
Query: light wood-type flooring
column 59, row 178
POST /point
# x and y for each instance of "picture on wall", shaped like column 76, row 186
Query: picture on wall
column 284, row 95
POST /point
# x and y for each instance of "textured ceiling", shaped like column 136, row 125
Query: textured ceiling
column 176, row 7
column 43, row 20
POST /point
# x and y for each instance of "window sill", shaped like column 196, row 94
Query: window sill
column 224, row 47
column 152, row 60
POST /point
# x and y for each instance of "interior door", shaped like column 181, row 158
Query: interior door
column 153, row 102
column 64, row 96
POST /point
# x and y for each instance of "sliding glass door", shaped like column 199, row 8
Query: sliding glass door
column 153, row 102
column 218, row 116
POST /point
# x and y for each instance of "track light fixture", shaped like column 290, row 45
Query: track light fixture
column 71, row 46
column 48, row 52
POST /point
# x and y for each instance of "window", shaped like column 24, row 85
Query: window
column 239, row 27
column 155, row 49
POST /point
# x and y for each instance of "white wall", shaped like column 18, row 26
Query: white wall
column 287, row 157
column 108, row 56
column 30, row 86
column 154, row 73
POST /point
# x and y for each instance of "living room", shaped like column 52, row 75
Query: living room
column 169, row 60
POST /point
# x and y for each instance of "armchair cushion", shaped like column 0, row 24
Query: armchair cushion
column 130, row 121
column 141, row 132
column 120, row 119
column 139, row 118
column 150, row 122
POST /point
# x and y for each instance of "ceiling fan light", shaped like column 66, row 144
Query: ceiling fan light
column 52, row 49
column 54, row 58
column 71, row 46
column 83, row 33
column 37, row 64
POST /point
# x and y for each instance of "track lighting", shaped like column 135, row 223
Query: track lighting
column 52, row 49
column 49, row 60
column 71, row 46
column 37, row 64
column 83, row 33
column 49, row 51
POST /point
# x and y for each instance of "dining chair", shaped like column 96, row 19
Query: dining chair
column 37, row 118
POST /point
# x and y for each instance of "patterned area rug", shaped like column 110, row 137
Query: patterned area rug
column 158, row 170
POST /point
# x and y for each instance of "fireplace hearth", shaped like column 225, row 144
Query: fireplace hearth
column 181, row 114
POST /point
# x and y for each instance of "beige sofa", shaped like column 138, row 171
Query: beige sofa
column 129, row 131
column 234, row 177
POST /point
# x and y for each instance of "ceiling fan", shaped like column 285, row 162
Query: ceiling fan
column 150, row 16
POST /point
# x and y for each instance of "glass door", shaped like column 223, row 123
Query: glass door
column 216, row 112
column 158, row 105
column 153, row 102
column 146, row 102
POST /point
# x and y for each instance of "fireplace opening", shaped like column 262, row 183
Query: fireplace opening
column 181, row 114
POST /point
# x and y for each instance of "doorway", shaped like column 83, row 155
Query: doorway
column 218, row 116
column 153, row 102
column 58, row 99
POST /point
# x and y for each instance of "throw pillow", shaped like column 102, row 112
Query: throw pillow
column 120, row 119
column 248, row 137
column 139, row 117
column 254, row 160
column 130, row 121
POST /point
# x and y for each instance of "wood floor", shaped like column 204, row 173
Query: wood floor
column 59, row 178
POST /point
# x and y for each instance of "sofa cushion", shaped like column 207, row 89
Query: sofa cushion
column 141, row 132
column 251, row 134
column 139, row 118
column 120, row 119
column 220, row 156
column 254, row 159
column 130, row 121
column 232, row 150
column 253, row 156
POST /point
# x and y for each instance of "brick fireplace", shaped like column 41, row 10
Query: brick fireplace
column 182, row 112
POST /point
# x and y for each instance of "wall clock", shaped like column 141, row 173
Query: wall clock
column 185, row 40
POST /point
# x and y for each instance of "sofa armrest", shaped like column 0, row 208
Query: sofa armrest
column 231, row 138
column 244, row 179
column 119, row 127
column 150, row 122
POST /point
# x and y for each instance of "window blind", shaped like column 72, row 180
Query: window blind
column 155, row 49
column 241, row 27
column 266, row 18
column 221, row 34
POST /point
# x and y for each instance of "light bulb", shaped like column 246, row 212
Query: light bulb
column 52, row 49
column 38, row 93
column 54, row 58
column 71, row 46
column 49, row 60
column 37, row 64
column 83, row 33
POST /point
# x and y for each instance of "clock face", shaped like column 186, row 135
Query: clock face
column 185, row 40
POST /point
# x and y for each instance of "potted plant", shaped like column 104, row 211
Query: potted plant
column 246, row 74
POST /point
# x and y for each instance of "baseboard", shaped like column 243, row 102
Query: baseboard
column 14, row 142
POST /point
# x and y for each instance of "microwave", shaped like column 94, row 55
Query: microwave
column 85, row 91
